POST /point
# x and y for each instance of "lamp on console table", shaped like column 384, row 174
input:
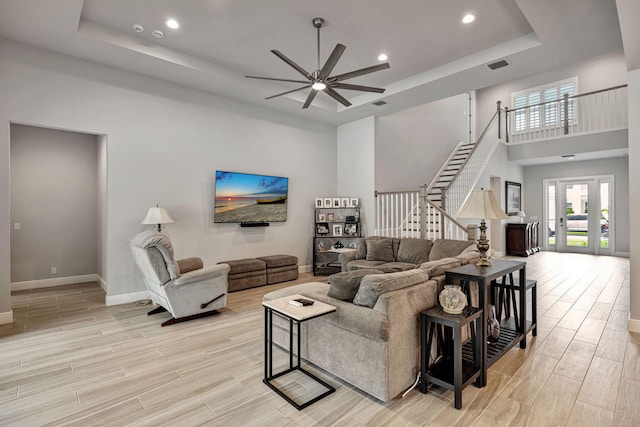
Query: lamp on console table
column 157, row 216
column 482, row 204
column 521, row 215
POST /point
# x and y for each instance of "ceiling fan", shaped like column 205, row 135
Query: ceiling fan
column 320, row 79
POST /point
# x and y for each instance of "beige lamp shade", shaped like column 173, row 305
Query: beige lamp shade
column 157, row 216
column 482, row 204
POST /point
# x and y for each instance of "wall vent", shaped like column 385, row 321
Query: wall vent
column 379, row 103
column 498, row 64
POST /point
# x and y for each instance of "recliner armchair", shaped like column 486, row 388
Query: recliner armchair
column 183, row 288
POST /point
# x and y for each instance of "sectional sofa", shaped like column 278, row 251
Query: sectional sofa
column 372, row 340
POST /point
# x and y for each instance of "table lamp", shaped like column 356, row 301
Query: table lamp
column 482, row 204
column 521, row 215
column 158, row 216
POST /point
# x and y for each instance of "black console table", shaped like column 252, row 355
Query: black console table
column 509, row 333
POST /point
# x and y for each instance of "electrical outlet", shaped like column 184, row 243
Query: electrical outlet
column 17, row 226
column 533, row 218
column 54, row 270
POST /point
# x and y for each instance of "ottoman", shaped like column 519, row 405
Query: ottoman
column 246, row 273
column 280, row 268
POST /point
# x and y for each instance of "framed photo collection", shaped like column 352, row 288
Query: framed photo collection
column 336, row 202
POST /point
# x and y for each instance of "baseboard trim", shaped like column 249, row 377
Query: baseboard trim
column 126, row 298
column 102, row 283
column 6, row 317
column 57, row 281
column 305, row 268
column 622, row 254
column 633, row 325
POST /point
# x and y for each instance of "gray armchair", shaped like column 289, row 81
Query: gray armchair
column 183, row 288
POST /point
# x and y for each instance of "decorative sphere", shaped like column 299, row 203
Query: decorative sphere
column 452, row 299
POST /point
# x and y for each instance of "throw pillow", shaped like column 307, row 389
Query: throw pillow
column 344, row 286
column 445, row 248
column 414, row 251
column 380, row 249
column 374, row 285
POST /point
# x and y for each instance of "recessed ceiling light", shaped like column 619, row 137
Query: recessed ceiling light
column 158, row 34
column 382, row 57
column 468, row 18
column 137, row 28
column 172, row 23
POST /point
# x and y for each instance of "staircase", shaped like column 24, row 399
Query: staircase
column 430, row 212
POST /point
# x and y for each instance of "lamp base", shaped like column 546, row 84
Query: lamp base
column 483, row 246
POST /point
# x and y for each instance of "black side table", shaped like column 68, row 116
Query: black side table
column 455, row 369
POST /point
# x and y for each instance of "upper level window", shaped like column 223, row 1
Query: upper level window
column 535, row 107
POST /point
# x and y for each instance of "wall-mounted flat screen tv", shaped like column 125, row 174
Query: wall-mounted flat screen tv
column 245, row 197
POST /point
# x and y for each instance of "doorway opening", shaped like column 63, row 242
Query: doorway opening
column 578, row 214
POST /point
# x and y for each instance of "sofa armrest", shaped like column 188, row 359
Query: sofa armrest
column 218, row 270
column 345, row 258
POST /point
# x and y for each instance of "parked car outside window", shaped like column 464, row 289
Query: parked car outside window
column 578, row 222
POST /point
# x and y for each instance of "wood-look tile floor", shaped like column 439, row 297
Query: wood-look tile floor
column 69, row 360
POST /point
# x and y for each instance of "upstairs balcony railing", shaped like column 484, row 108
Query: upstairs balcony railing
column 598, row 111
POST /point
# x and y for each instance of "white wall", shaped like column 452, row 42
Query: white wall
column 634, row 197
column 165, row 143
column 102, row 209
column 412, row 145
column 53, row 198
column 356, row 167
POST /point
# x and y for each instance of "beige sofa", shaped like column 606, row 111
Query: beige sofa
column 375, row 345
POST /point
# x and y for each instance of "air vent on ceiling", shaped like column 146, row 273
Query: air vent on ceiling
column 498, row 64
column 379, row 103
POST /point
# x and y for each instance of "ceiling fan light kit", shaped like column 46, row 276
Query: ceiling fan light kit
column 321, row 80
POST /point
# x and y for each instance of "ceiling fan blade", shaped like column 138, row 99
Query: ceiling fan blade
column 310, row 98
column 357, row 87
column 332, row 61
column 292, row 64
column 335, row 95
column 276, row 80
column 289, row 91
column 360, row 72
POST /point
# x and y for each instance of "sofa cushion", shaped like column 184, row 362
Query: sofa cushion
column 359, row 264
column 415, row 251
column 445, row 248
column 392, row 267
column 439, row 266
column 374, row 285
column 380, row 249
column 344, row 286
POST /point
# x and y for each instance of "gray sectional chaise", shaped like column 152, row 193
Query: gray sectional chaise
column 372, row 340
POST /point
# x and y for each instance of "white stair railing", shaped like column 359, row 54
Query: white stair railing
column 468, row 175
column 598, row 111
column 410, row 214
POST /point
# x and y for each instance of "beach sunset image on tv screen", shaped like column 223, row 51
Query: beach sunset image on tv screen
column 243, row 197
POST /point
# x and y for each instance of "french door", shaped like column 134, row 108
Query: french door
column 578, row 214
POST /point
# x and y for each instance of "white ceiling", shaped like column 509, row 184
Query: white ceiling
column 432, row 54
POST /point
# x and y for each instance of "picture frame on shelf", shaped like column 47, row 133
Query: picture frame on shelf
column 353, row 202
column 513, row 197
column 344, row 202
column 327, row 202
column 322, row 217
column 337, row 229
column 331, row 217
column 336, row 202
column 319, row 202
column 351, row 229
column 322, row 228
column 322, row 245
